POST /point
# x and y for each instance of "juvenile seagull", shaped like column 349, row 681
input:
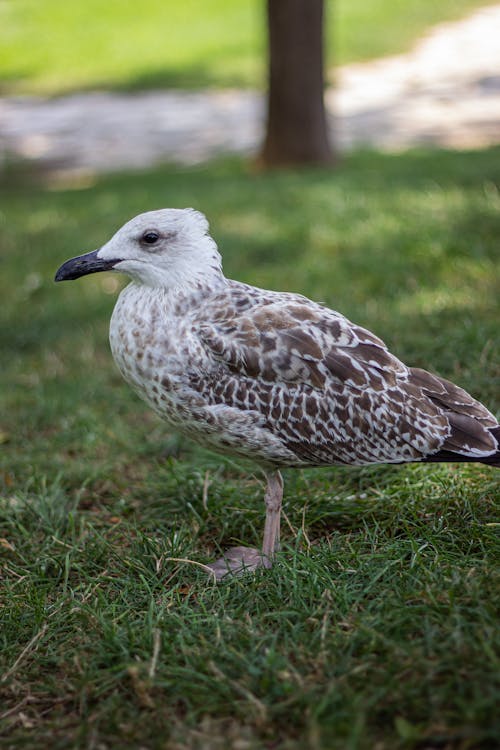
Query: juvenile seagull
column 270, row 376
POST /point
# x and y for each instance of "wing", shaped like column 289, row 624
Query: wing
column 327, row 389
column 285, row 338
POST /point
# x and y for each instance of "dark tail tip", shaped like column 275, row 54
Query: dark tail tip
column 446, row 456
column 494, row 460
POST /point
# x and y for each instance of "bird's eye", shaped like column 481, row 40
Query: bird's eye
column 150, row 238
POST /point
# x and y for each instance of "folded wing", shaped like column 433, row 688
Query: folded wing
column 331, row 390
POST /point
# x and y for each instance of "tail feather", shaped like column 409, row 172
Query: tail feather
column 468, row 436
column 444, row 456
column 451, row 397
column 474, row 431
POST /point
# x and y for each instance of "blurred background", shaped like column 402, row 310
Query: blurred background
column 89, row 87
column 383, row 203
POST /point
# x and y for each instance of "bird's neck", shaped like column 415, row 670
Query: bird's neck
column 173, row 300
column 191, row 276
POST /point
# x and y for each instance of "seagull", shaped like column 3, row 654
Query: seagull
column 270, row 376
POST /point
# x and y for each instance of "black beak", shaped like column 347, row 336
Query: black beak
column 83, row 265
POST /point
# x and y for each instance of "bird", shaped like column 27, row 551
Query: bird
column 267, row 375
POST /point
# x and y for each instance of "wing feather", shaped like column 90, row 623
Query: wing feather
column 328, row 389
column 289, row 341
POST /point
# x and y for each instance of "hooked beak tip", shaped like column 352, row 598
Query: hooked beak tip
column 82, row 265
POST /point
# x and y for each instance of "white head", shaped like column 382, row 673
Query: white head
column 169, row 248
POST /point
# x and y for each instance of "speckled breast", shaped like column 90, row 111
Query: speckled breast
column 146, row 339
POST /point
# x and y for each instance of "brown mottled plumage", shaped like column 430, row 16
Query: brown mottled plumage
column 269, row 375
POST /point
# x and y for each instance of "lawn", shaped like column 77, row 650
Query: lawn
column 377, row 627
column 50, row 47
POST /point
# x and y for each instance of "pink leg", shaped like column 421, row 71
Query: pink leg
column 239, row 560
column 273, row 498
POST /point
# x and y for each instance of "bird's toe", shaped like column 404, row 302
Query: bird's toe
column 239, row 560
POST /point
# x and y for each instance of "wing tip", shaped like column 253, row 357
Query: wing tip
column 448, row 456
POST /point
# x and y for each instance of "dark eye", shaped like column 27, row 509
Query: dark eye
column 150, row 238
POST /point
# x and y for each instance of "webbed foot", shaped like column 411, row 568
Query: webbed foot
column 239, row 560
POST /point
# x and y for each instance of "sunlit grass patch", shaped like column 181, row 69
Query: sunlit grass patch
column 51, row 47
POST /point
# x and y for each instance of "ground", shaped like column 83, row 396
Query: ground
column 378, row 627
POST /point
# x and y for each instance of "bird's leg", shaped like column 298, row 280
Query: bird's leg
column 273, row 498
column 239, row 560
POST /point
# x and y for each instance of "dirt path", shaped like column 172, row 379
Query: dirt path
column 446, row 91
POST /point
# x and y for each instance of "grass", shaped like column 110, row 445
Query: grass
column 49, row 47
column 377, row 626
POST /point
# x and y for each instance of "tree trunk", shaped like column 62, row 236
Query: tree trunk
column 296, row 120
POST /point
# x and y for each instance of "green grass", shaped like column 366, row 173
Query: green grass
column 377, row 626
column 51, row 47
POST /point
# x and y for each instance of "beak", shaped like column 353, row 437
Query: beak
column 83, row 265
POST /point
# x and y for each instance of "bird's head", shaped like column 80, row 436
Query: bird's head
column 169, row 248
